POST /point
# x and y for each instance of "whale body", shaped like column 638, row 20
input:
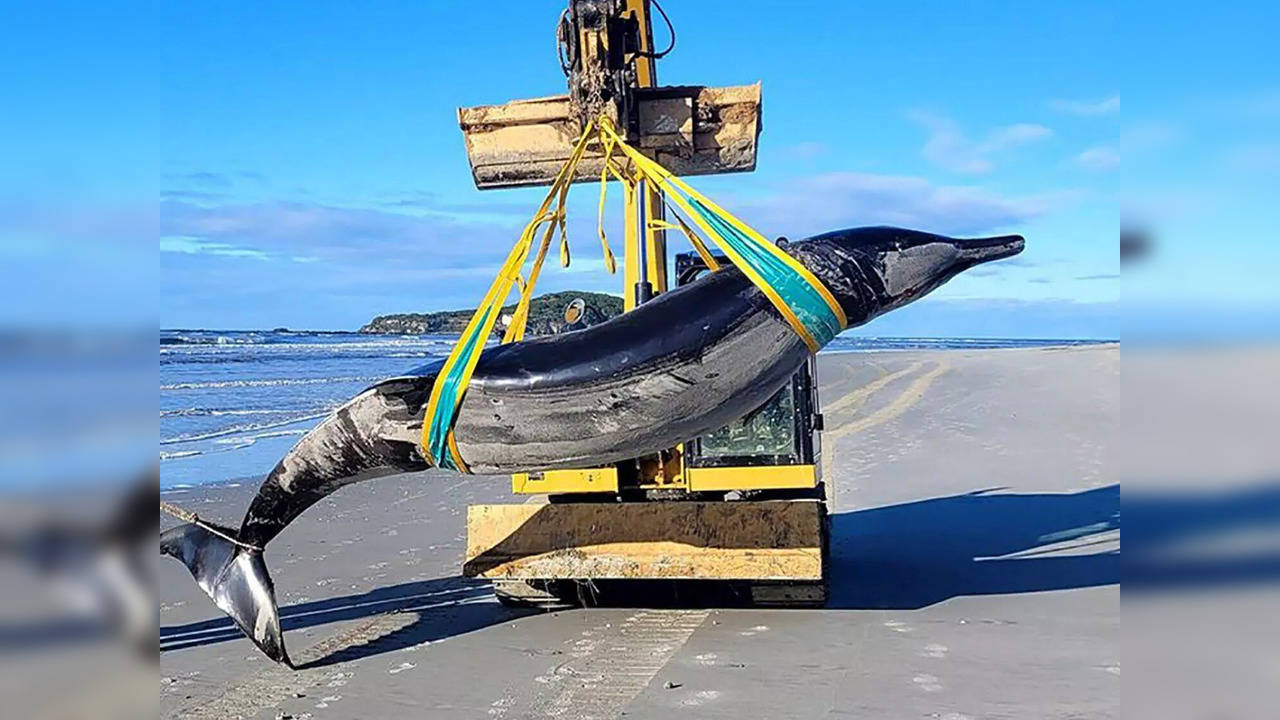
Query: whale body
column 684, row 364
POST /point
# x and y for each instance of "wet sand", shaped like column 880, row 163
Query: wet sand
column 975, row 574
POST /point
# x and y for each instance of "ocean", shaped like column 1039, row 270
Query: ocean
column 233, row 402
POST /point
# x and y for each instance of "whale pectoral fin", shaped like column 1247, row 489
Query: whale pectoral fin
column 237, row 581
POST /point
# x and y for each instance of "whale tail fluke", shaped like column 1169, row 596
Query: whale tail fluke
column 235, row 578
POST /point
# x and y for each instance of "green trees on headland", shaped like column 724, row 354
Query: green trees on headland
column 546, row 315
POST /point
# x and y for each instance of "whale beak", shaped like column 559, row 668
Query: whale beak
column 987, row 249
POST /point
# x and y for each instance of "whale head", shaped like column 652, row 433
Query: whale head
column 873, row 270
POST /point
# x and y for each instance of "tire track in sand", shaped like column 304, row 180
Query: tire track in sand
column 608, row 668
column 856, row 398
column 322, row 667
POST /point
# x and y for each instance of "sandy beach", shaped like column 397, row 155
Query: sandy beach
column 975, row 570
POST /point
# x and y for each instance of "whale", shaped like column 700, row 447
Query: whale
column 683, row 364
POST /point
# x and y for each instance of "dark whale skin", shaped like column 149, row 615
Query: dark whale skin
column 681, row 365
column 651, row 378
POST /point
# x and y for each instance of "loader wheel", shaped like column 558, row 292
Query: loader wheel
column 531, row 594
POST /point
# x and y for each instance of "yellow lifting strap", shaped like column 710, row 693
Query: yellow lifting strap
column 804, row 302
column 438, row 443
column 707, row 257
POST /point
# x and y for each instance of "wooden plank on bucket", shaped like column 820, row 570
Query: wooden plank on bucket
column 779, row 540
column 690, row 130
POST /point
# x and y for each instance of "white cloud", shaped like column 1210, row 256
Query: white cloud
column 326, row 232
column 1100, row 158
column 1131, row 144
column 374, row 260
column 836, row 200
column 1087, row 108
column 188, row 245
column 950, row 148
column 202, row 178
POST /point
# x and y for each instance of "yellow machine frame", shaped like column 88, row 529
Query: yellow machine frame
column 643, row 213
column 712, row 479
column 768, row 541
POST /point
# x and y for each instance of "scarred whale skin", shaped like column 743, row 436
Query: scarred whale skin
column 681, row 365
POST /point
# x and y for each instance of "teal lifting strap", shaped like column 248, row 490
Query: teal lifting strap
column 801, row 296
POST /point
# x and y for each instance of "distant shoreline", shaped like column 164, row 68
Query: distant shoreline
column 892, row 338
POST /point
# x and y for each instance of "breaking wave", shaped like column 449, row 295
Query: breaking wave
column 265, row 383
column 207, row 412
column 239, row 429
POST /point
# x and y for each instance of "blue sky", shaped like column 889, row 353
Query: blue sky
column 311, row 173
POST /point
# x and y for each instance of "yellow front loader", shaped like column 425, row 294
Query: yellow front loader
column 740, row 513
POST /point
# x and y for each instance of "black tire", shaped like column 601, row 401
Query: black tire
column 531, row 594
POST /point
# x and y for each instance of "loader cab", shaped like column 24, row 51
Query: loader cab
column 783, row 433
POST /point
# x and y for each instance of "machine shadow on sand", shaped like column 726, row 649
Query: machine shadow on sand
column 917, row 554
column 894, row 557
column 904, row 556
